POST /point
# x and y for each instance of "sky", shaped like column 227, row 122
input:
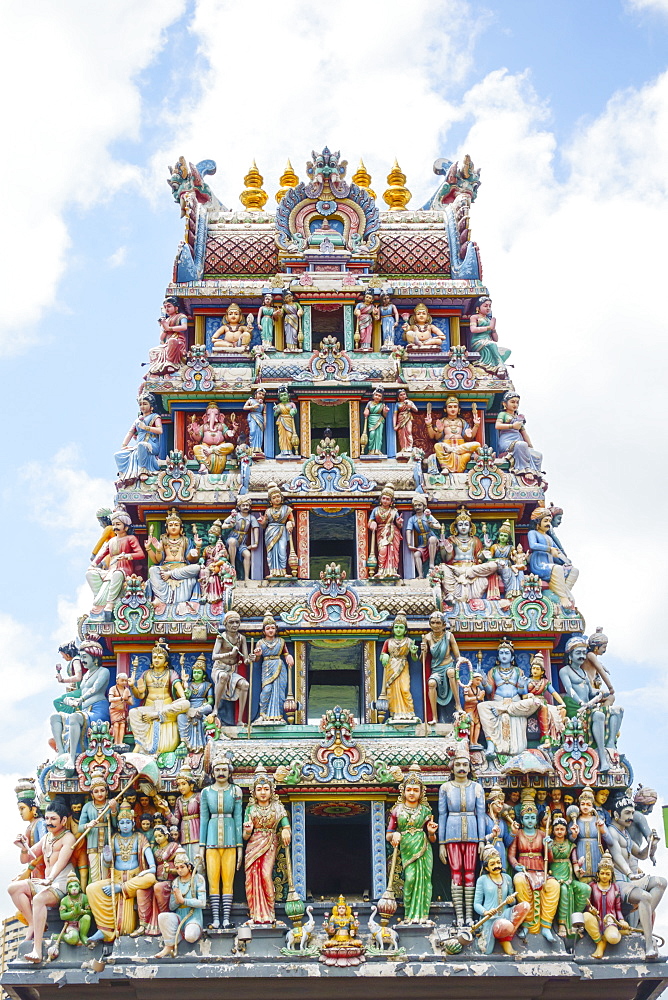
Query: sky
column 564, row 107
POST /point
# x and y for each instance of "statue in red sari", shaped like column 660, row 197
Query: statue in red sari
column 264, row 817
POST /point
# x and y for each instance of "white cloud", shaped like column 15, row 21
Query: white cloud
column 654, row 5
column 118, row 257
column 390, row 95
column 63, row 498
column 77, row 94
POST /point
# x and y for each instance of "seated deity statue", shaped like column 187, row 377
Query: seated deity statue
column 233, row 336
column 467, row 564
column 421, row 334
column 504, row 716
column 154, row 723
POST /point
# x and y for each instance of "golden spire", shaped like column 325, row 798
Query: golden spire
column 287, row 180
column 253, row 197
column 397, row 195
column 362, row 178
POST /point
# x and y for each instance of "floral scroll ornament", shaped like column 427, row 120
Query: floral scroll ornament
column 530, row 610
column 330, row 472
column 198, row 373
column 100, row 759
column 174, row 481
column 333, row 601
column 458, row 373
column 576, row 761
column 134, row 612
column 339, row 757
column 485, row 480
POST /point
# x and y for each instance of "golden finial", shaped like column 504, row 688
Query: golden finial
column 397, row 195
column 287, row 180
column 253, row 197
column 362, row 178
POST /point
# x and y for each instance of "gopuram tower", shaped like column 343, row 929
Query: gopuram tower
column 334, row 713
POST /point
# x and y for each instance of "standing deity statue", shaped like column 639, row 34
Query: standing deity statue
column 642, row 892
column 186, row 814
column 402, row 421
column 229, row 652
column 285, row 417
column 164, row 851
column 549, row 562
column 504, row 716
column 69, row 729
column 34, row 896
column 551, row 716
column 292, row 324
column 267, row 315
column 385, row 526
column 165, row 359
column 279, row 523
column 375, row 413
column 220, row 836
column 563, row 865
column 137, row 459
column 395, row 658
column 484, row 338
column 119, row 696
column 583, row 698
column 276, row 661
column 587, row 831
column 505, row 555
column 257, row 413
column 265, row 820
column 213, row 440
column 154, row 722
column 112, row 565
column 454, row 438
column 216, row 571
column 493, row 889
column 132, row 878
column 365, row 313
column 410, row 829
column 441, row 645
column 389, row 321
column 96, row 819
column 175, row 573
column 420, row 332
column 497, row 832
column 233, row 336
column 30, row 813
column 465, row 574
column 514, row 442
column 422, row 534
column 243, row 534
column 461, row 831
column 526, row 855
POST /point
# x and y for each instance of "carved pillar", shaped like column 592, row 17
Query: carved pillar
column 200, row 329
column 302, row 541
column 305, row 427
column 300, row 681
column 306, row 328
column 279, row 341
column 298, row 848
column 369, row 681
column 390, row 433
column 179, row 430
column 354, row 421
column 362, row 539
column 378, row 851
column 270, row 433
column 455, row 336
column 348, row 328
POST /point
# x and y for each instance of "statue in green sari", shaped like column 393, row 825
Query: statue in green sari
column 564, row 866
column 375, row 413
column 411, row 830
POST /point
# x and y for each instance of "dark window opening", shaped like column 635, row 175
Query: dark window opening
column 331, row 867
column 334, row 677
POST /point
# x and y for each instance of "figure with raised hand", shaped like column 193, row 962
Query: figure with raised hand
column 88, row 707
column 132, row 879
column 165, row 359
column 256, row 410
column 497, row 832
column 229, row 652
column 493, row 889
column 395, row 658
column 484, row 338
column 504, row 716
column 276, row 661
column 461, row 830
column 265, row 822
column 526, row 855
column 410, row 830
column 466, row 570
column 154, row 722
column 453, row 437
column 221, row 837
column 96, row 820
column 175, row 573
column 113, row 564
column 137, row 459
